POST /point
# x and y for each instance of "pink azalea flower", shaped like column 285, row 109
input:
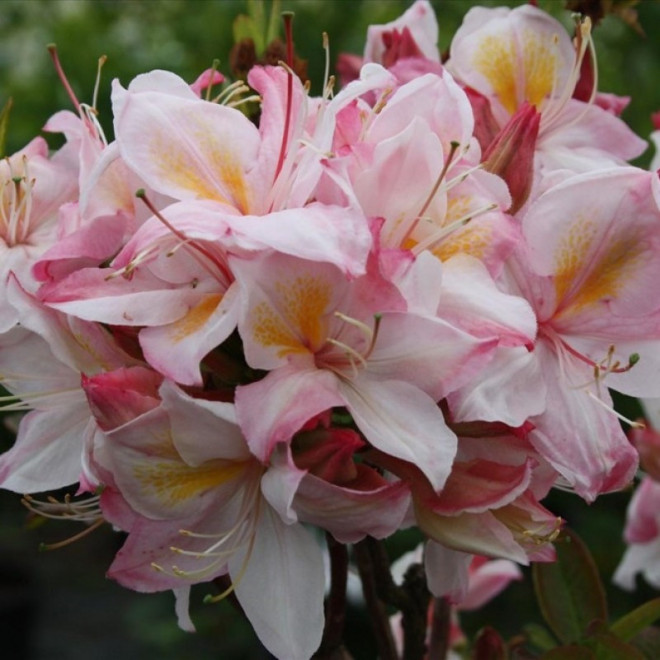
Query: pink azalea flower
column 33, row 187
column 327, row 341
column 407, row 46
column 41, row 361
column 513, row 56
column 591, row 254
column 642, row 534
column 412, row 160
column 181, row 480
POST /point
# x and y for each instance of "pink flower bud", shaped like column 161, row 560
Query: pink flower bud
column 511, row 154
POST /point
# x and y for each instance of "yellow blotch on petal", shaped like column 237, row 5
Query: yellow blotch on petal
column 517, row 75
column 540, row 66
column 471, row 239
column 608, row 275
column 571, row 253
column 298, row 323
column 174, row 482
column 495, row 60
column 203, row 168
column 196, row 317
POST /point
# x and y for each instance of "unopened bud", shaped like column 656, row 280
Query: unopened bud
column 511, row 154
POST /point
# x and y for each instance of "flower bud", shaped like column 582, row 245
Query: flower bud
column 511, row 154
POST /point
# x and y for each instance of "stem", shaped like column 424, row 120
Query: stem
column 335, row 611
column 412, row 598
column 440, row 626
column 375, row 606
column 415, row 613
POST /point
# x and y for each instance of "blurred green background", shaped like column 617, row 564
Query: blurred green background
column 60, row 602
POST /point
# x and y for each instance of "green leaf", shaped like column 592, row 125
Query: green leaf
column 257, row 14
column 607, row 646
column 571, row 652
column 273, row 30
column 569, row 591
column 244, row 28
column 648, row 642
column 634, row 622
column 4, row 123
column 539, row 637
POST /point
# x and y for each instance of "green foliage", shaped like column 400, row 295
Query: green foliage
column 569, row 591
column 4, row 123
column 571, row 596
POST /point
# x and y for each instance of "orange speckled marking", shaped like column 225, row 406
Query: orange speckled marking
column 606, row 276
column 297, row 324
column 570, row 254
column 196, row 317
column 202, row 167
column 540, row 66
column 494, row 59
column 471, row 239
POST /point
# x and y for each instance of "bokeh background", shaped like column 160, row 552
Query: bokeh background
column 58, row 604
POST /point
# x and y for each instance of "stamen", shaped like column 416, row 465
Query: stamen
column 349, row 351
column 24, row 401
column 102, row 60
column 86, row 510
column 452, row 151
column 326, row 72
column 237, row 87
column 215, row 599
column 435, row 238
column 542, row 539
column 214, row 68
column 255, row 98
column 194, row 245
column 52, row 49
column 356, row 323
column 634, row 425
column 584, row 41
column 72, row 539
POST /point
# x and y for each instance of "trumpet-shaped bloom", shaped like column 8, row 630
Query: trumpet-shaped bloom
column 32, row 189
column 196, row 511
column 328, row 342
column 587, row 269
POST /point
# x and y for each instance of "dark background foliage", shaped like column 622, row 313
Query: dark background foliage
column 58, row 604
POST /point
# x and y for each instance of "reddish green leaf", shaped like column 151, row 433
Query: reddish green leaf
column 648, row 642
column 569, row 591
column 634, row 622
column 607, row 646
column 571, row 652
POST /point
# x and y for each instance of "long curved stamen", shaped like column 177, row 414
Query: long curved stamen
column 584, row 44
column 436, row 186
column 287, row 17
column 435, row 238
column 194, row 245
column 87, row 510
column 52, row 49
column 71, row 539
column 21, row 402
column 214, row 67
column 618, row 415
column 97, row 83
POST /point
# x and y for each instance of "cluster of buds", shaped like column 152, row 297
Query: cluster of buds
column 401, row 304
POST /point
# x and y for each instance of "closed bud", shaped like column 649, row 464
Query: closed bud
column 511, row 154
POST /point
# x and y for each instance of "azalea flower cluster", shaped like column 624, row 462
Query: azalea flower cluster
column 399, row 304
